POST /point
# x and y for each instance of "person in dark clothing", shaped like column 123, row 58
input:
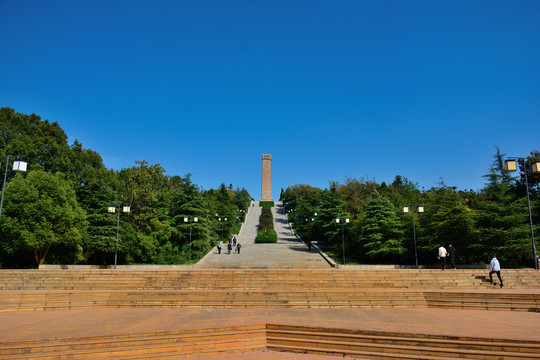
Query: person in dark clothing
column 238, row 246
column 219, row 248
column 452, row 255
column 229, row 247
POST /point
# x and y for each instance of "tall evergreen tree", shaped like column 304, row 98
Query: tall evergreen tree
column 381, row 235
column 502, row 218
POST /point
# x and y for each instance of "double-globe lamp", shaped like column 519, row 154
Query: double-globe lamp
column 18, row 166
column 512, row 165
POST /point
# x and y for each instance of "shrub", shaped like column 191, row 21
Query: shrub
column 266, row 222
column 266, row 236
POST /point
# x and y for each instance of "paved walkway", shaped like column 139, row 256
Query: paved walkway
column 92, row 322
column 287, row 253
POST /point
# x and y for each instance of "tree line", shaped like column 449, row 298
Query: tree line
column 493, row 220
column 57, row 212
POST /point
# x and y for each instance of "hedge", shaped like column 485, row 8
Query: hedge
column 266, row 236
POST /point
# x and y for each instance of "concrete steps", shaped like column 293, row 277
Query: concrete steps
column 380, row 345
column 155, row 345
column 38, row 290
column 484, row 301
column 291, row 298
column 54, row 300
column 309, row 340
column 260, row 279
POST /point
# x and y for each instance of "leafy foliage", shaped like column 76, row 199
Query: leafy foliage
column 42, row 217
column 381, row 235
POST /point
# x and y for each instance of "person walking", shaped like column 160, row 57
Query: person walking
column 229, row 247
column 219, row 247
column 238, row 246
column 442, row 256
column 495, row 267
column 452, row 255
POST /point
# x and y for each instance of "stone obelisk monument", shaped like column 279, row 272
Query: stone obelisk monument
column 266, row 193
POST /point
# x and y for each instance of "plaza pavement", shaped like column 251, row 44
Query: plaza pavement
column 287, row 253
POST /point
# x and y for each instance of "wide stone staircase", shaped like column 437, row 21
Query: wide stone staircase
column 36, row 290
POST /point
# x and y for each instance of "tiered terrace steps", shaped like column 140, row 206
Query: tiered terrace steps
column 75, row 289
column 387, row 345
column 300, row 339
column 260, row 279
column 153, row 345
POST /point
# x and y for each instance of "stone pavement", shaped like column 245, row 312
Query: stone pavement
column 287, row 253
column 93, row 322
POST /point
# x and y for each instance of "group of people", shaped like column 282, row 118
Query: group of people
column 231, row 243
column 450, row 253
column 494, row 265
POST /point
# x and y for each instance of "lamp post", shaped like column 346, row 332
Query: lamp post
column 112, row 209
column 511, row 165
column 309, row 222
column 343, row 221
column 221, row 220
column 191, row 220
column 419, row 209
column 18, row 166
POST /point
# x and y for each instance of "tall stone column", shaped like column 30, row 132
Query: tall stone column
column 266, row 193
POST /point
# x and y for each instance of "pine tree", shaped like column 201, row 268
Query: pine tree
column 381, row 235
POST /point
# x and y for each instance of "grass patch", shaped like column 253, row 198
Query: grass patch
column 266, row 204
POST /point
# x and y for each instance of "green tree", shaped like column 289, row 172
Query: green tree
column 41, row 216
column 502, row 218
column 381, row 235
column 447, row 219
column 332, row 206
column 95, row 195
column 146, row 229
column 41, row 143
column 187, row 201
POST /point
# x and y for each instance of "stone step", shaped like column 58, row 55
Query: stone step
column 289, row 338
column 154, row 345
column 395, row 346
column 46, row 300
column 387, row 352
column 403, row 339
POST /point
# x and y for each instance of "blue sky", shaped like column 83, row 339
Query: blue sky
column 332, row 89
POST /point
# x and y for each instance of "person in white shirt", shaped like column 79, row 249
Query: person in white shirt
column 442, row 256
column 495, row 267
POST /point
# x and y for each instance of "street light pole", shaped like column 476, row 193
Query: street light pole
column 191, row 220
column 511, row 165
column 221, row 220
column 112, row 209
column 343, row 220
column 420, row 210
column 19, row 166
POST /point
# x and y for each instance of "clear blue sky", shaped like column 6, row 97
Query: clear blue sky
column 373, row 89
